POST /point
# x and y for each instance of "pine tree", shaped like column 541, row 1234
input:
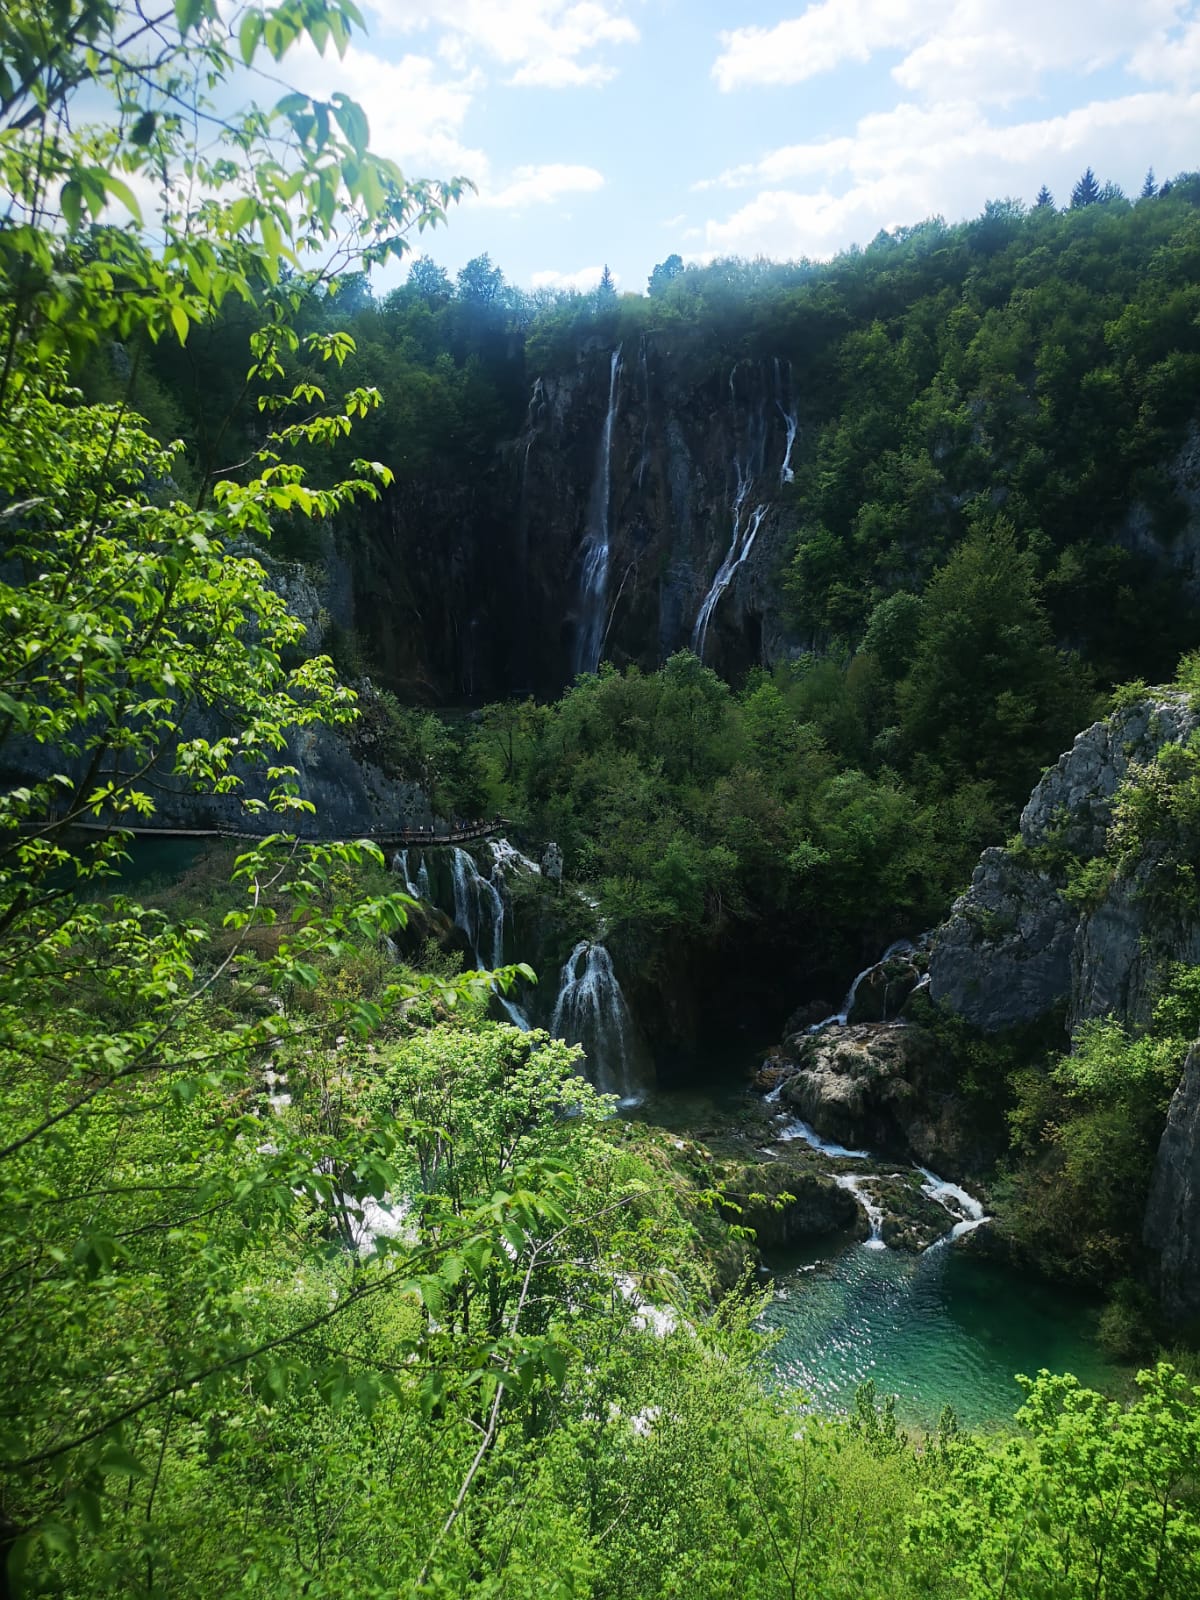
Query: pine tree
column 1045, row 200
column 606, row 291
column 1149, row 186
column 1086, row 192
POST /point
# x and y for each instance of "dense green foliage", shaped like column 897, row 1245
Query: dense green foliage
column 427, row 1321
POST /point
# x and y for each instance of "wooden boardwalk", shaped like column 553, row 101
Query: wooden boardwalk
column 396, row 838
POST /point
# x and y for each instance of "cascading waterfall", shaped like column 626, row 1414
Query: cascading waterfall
column 787, row 411
column 749, row 462
column 593, row 577
column 954, row 1199
column 644, row 366
column 478, row 909
column 855, row 1184
column 400, row 867
column 738, row 552
column 965, row 1211
column 898, row 947
column 592, row 1011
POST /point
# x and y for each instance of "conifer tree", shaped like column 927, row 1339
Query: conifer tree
column 1086, row 192
column 1045, row 200
column 1149, row 185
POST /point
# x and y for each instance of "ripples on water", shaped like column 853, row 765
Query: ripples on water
column 935, row 1329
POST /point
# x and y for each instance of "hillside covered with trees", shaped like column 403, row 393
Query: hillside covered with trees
column 315, row 1278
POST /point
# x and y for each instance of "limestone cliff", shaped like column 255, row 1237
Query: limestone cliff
column 1172, row 1225
column 1015, row 949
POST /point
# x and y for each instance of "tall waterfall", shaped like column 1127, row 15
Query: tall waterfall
column 593, row 576
column 592, row 1011
column 644, row 366
column 787, row 410
column 749, row 463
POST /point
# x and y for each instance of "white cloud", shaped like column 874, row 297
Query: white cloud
column 541, row 186
column 826, row 35
column 541, row 42
column 1172, row 58
column 918, row 161
column 415, row 112
column 990, row 50
column 585, row 279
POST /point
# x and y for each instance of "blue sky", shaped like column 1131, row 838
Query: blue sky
column 620, row 131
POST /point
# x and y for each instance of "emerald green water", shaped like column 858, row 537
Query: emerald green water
column 936, row 1329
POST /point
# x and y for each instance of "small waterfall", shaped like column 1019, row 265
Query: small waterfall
column 478, row 910
column 400, row 868
column 593, row 577
column 796, row 1128
column 897, row 947
column 424, row 888
column 963, row 1208
column 592, row 1011
column 855, row 1183
column 507, row 858
column 956, row 1201
column 787, row 411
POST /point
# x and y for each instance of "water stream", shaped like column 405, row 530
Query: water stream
column 593, row 576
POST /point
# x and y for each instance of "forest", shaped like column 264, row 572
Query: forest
column 315, row 1276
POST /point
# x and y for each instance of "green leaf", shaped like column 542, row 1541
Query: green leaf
column 179, row 321
column 188, row 13
column 71, row 201
column 250, row 35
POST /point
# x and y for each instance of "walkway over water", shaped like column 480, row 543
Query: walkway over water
column 385, row 838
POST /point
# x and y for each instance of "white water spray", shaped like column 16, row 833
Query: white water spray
column 592, row 1011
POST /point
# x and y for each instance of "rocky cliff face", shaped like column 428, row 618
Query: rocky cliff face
column 1172, row 1225
column 1014, row 948
column 641, row 508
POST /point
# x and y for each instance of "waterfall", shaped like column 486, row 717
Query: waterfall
column 592, row 1011
column 797, row 1128
column 400, row 867
column 956, row 1201
column 593, row 577
column 506, row 857
column 896, row 948
column 740, row 547
column 749, row 465
column 963, row 1208
column 645, row 371
column 478, row 909
column 853, row 1182
column 788, row 413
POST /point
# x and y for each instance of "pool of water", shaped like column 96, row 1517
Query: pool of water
column 941, row 1328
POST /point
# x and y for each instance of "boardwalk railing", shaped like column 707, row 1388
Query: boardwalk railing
column 443, row 833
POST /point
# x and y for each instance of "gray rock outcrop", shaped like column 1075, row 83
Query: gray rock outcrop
column 1014, row 949
column 1172, row 1222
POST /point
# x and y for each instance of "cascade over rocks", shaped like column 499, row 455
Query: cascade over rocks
column 880, row 1085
